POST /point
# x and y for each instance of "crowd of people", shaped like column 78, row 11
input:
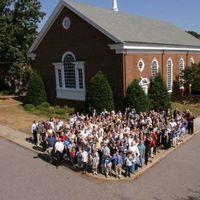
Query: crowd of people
column 111, row 143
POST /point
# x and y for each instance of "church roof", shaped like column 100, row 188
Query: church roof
column 124, row 28
column 131, row 28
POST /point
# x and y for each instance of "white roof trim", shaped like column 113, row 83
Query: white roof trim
column 136, row 47
column 53, row 17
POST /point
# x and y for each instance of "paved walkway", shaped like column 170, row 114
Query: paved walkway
column 24, row 140
column 26, row 177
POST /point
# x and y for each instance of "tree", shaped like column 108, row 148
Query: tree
column 136, row 97
column 36, row 93
column 193, row 33
column 99, row 93
column 18, row 29
column 158, row 94
column 192, row 77
column 176, row 93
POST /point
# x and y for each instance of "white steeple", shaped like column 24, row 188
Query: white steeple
column 114, row 5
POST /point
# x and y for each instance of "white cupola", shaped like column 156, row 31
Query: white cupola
column 114, row 5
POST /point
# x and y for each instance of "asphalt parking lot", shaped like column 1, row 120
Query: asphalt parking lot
column 26, row 177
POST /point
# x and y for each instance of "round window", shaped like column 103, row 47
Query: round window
column 141, row 65
column 66, row 23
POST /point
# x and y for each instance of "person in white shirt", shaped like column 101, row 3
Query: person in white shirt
column 59, row 146
column 173, row 124
column 34, row 131
column 134, row 149
column 85, row 161
column 106, row 150
column 58, row 149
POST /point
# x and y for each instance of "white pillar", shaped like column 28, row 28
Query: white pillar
column 114, row 5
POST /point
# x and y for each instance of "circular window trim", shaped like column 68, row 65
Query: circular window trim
column 143, row 65
column 66, row 23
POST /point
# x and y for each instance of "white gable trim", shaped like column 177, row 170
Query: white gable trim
column 122, row 48
column 62, row 4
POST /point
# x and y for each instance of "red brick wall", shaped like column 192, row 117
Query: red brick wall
column 87, row 44
column 132, row 71
column 91, row 46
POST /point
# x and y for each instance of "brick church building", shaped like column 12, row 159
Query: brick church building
column 79, row 40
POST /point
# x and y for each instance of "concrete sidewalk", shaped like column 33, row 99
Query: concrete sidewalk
column 25, row 141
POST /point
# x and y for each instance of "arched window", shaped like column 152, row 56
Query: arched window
column 154, row 68
column 181, row 65
column 141, row 65
column 69, row 70
column 70, row 78
column 181, row 73
column 169, row 75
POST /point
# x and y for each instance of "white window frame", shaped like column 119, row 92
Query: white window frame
column 154, row 60
column 191, row 60
column 145, row 88
column 59, row 66
column 143, row 65
column 181, row 65
column 181, row 73
column 66, row 23
column 68, row 53
column 70, row 93
column 171, row 78
column 73, row 62
column 79, row 65
column 144, row 84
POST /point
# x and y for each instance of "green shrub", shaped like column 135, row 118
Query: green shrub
column 41, row 109
column 45, row 104
column 29, row 107
column 192, row 76
column 136, row 97
column 60, row 111
column 56, row 107
column 176, row 90
column 69, row 110
column 36, row 91
column 158, row 94
column 99, row 93
column 50, row 111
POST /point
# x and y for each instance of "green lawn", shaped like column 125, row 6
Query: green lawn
column 194, row 108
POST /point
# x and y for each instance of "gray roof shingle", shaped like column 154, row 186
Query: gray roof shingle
column 135, row 29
